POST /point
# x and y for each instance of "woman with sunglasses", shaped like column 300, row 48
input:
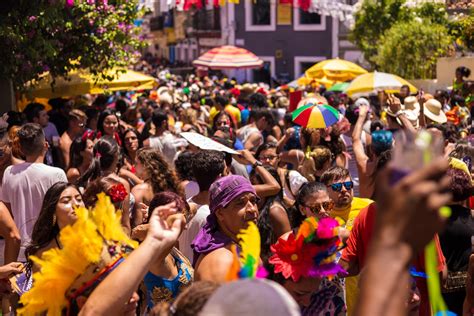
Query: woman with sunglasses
column 313, row 201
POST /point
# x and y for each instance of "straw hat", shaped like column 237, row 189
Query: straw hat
column 411, row 104
column 411, row 109
column 433, row 111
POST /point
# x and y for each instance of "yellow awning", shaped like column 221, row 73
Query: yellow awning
column 82, row 82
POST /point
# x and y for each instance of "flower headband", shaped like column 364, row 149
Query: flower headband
column 117, row 193
column 311, row 253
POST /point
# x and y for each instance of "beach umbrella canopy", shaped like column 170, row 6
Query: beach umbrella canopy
column 82, row 82
column 315, row 116
column 339, row 87
column 228, row 57
column 336, row 70
column 372, row 82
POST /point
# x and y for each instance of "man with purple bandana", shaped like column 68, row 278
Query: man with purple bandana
column 233, row 203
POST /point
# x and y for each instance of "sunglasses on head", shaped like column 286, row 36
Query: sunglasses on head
column 338, row 186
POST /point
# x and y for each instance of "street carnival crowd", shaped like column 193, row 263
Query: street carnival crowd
column 204, row 197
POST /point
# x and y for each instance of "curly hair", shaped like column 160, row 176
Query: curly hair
column 160, row 175
column 184, row 166
column 14, row 140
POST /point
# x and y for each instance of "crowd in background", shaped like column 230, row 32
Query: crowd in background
column 186, row 205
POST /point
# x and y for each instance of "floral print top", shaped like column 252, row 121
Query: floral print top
column 163, row 290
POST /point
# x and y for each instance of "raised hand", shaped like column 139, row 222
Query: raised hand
column 409, row 210
column 162, row 231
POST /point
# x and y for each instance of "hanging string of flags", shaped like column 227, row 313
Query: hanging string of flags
column 335, row 8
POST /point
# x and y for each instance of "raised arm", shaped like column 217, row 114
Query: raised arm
column 270, row 185
column 9, row 232
column 359, row 152
column 124, row 280
column 408, row 219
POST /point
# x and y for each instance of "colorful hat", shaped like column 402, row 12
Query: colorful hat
column 91, row 248
column 309, row 253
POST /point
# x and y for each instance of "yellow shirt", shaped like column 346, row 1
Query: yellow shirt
column 234, row 112
column 348, row 216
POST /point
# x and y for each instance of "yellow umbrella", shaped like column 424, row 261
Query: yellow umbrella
column 335, row 70
column 372, row 82
column 306, row 81
column 82, row 82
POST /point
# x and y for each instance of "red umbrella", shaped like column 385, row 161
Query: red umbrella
column 228, row 57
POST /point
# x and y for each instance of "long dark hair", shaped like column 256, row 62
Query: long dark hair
column 75, row 159
column 139, row 137
column 106, row 150
column 46, row 227
column 267, row 236
column 102, row 116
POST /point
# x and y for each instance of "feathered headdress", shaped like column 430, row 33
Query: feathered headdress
column 247, row 263
column 91, row 248
column 311, row 253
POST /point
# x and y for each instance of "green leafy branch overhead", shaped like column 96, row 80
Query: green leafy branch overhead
column 59, row 36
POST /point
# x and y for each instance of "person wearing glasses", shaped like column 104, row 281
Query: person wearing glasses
column 346, row 208
column 76, row 125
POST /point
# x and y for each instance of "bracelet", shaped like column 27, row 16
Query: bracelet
column 257, row 164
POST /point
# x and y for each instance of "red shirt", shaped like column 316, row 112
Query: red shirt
column 358, row 245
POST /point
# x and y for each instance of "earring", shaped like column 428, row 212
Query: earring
column 54, row 219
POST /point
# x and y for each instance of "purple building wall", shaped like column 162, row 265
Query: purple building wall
column 288, row 42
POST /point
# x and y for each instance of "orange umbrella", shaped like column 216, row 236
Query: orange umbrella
column 228, row 57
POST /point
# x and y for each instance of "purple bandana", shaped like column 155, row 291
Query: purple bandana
column 222, row 192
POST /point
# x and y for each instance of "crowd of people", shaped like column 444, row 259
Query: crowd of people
column 368, row 187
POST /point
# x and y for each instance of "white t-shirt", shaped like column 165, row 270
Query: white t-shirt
column 193, row 227
column 191, row 189
column 168, row 145
column 24, row 186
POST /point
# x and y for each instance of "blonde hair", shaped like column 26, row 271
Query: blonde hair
column 315, row 161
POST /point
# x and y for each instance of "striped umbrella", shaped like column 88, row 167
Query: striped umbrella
column 372, row 82
column 316, row 116
column 228, row 57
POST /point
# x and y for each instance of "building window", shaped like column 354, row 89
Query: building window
column 264, row 74
column 309, row 18
column 307, row 21
column 303, row 63
column 260, row 15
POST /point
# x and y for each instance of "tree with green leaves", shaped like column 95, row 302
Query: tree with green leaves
column 410, row 49
column 372, row 20
column 63, row 35
column 402, row 39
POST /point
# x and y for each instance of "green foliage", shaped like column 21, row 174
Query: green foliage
column 410, row 49
column 372, row 20
column 462, row 28
column 382, row 26
column 59, row 36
